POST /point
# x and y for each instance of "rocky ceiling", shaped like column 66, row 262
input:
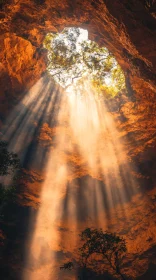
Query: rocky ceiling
column 128, row 30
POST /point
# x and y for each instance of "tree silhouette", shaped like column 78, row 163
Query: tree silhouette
column 99, row 248
column 9, row 161
column 9, row 165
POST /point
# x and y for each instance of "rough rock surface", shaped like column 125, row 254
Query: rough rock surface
column 128, row 30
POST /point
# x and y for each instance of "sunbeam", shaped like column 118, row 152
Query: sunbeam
column 22, row 127
column 87, row 176
column 69, row 136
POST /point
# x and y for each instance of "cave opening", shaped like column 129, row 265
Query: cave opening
column 73, row 58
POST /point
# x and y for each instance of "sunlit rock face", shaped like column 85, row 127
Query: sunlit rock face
column 127, row 29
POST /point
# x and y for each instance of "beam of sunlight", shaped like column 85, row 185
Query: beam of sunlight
column 87, row 172
column 36, row 108
column 87, row 176
column 45, row 238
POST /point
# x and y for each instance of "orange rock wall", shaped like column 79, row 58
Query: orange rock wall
column 128, row 30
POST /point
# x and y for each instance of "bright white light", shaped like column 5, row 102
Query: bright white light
column 108, row 81
column 82, row 37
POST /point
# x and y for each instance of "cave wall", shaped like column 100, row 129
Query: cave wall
column 128, row 30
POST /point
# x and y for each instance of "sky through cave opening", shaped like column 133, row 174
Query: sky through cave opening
column 72, row 58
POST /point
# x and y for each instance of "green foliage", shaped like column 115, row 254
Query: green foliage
column 118, row 78
column 9, row 161
column 110, row 247
column 71, row 58
column 106, row 91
